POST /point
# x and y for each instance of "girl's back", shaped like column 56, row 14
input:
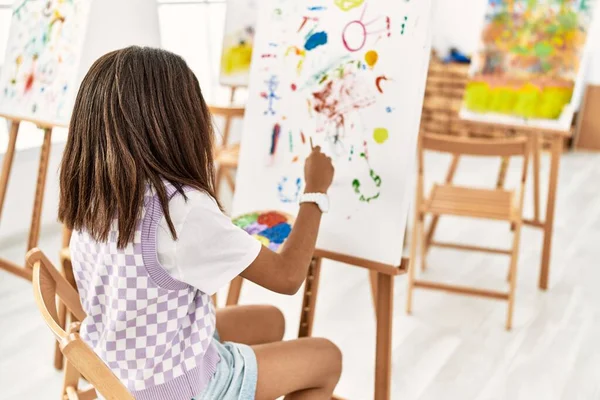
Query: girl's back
column 151, row 244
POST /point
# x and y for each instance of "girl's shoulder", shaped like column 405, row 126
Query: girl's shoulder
column 194, row 198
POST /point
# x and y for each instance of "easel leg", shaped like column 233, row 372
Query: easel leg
column 66, row 237
column 235, row 288
column 8, row 162
column 34, row 231
column 232, row 95
column 230, row 179
column 373, row 281
column 383, row 361
column 436, row 218
column 537, row 149
column 555, row 155
column 309, row 302
column 218, row 179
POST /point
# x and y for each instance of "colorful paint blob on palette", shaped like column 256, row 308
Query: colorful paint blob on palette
column 271, row 228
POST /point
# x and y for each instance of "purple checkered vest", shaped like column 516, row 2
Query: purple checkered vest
column 154, row 332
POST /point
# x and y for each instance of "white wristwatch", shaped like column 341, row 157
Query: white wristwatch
column 320, row 199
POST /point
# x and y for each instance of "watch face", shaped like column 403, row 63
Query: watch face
column 323, row 203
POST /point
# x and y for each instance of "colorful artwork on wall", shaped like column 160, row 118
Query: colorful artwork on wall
column 530, row 59
column 350, row 76
column 38, row 80
column 238, row 42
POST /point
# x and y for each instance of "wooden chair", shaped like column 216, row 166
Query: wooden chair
column 65, row 318
column 48, row 283
column 444, row 94
column 447, row 199
column 226, row 155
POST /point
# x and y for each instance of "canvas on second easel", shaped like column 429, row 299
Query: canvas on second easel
column 38, row 80
column 238, row 42
column 350, row 75
column 530, row 62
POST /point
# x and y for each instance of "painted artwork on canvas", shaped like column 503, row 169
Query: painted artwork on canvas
column 348, row 75
column 238, row 42
column 43, row 51
column 530, row 58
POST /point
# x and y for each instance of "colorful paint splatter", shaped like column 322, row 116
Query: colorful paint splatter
column 344, row 78
column 42, row 58
column 271, row 228
column 336, row 91
column 529, row 57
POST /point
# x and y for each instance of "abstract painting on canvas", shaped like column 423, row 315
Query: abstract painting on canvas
column 350, row 75
column 38, row 80
column 238, row 42
column 529, row 61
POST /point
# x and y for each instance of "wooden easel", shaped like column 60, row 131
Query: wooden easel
column 382, row 283
column 382, row 288
column 34, row 230
column 226, row 156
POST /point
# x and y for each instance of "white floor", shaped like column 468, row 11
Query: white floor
column 452, row 347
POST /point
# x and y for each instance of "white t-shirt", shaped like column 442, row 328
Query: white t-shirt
column 210, row 250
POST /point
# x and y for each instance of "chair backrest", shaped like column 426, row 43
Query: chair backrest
column 48, row 283
column 228, row 114
column 517, row 146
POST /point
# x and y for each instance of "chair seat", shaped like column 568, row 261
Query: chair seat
column 494, row 204
column 227, row 157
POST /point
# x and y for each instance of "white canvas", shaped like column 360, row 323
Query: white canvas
column 53, row 43
column 42, row 58
column 238, row 42
column 350, row 74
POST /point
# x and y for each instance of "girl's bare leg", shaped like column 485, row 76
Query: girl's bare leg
column 250, row 324
column 303, row 369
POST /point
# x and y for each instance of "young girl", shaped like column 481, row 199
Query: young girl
column 151, row 245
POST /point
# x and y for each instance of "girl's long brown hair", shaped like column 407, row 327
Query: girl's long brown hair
column 139, row 118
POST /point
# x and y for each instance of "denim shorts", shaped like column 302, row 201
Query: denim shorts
column 236, row 375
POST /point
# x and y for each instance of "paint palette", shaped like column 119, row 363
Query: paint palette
column 271, row 228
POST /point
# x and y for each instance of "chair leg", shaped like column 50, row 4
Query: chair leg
column 71, row 394
column 514, row 259
column 71, row 381
column 62, row 322
column 424, row 248
column 64, row 316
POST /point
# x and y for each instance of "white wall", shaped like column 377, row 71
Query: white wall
column 457, row 24
column 594, row 67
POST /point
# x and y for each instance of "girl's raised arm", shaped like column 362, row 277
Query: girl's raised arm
column 285, row 272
